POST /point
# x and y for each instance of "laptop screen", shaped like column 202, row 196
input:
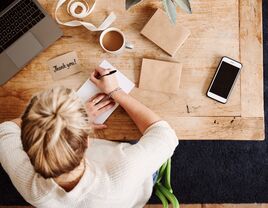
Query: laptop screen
column 4, row 4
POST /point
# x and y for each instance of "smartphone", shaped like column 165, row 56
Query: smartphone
column 224, row 79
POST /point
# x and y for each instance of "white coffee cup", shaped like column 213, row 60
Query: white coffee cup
column 113, row 41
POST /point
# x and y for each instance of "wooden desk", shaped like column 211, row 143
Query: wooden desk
column 218, row 28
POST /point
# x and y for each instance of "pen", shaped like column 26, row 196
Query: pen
column 111, row 72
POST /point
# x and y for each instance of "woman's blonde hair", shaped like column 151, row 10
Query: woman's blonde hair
column 55, row 128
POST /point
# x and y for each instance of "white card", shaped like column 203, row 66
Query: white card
column 89, row 89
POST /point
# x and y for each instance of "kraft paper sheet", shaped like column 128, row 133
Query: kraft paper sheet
column 164, row 34
column 160, row 76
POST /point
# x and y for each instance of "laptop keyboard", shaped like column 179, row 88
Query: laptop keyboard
column 17, row 21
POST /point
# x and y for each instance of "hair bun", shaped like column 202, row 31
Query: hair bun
column 54, row 131
column 58, row 127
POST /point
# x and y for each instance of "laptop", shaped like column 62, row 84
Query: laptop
column 25, row 30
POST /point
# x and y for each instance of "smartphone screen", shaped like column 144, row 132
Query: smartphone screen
column 224, row 80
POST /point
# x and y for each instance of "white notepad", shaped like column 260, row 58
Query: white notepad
column 89, row 89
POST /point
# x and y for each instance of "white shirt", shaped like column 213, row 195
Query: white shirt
column 117, row 175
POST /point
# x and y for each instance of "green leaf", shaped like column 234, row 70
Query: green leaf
column 162, row 198
column 161, row 171
column 185, row 5
column 167, row 176
column 130, row 3
column 170, row 10
column 171, row 197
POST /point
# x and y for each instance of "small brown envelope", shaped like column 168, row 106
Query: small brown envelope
column 64, row 65
column 160, row 76
column 164, row 34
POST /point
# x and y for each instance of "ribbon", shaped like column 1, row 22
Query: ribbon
column 86, row 10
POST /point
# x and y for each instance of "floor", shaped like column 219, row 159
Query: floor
column 188, row 206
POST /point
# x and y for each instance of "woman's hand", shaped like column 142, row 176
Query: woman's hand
column 106, row 84
column 94, row 108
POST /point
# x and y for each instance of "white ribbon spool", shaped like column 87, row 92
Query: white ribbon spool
column 73, row 5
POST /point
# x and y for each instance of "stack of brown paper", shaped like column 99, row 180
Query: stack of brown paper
column 160, row 76
column 163, row 33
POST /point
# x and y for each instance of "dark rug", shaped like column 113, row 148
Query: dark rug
column 207, row 171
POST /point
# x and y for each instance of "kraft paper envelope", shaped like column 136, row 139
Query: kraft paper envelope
column 88, row 90
column 163, row 33
column 64, row 65
column 160, row 76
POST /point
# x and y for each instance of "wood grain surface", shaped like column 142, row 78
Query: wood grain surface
column 251, row 53
column 217, row 29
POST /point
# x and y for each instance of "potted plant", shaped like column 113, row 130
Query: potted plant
column 169, row 6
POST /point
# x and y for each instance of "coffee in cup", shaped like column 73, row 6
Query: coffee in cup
column 112, row 40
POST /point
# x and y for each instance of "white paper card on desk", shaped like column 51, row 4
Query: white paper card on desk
column 89, row 89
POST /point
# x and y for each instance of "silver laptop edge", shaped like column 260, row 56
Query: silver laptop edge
column 30, row 44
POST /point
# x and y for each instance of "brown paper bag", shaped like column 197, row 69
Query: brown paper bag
column 160, row 76
column 163, row 33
